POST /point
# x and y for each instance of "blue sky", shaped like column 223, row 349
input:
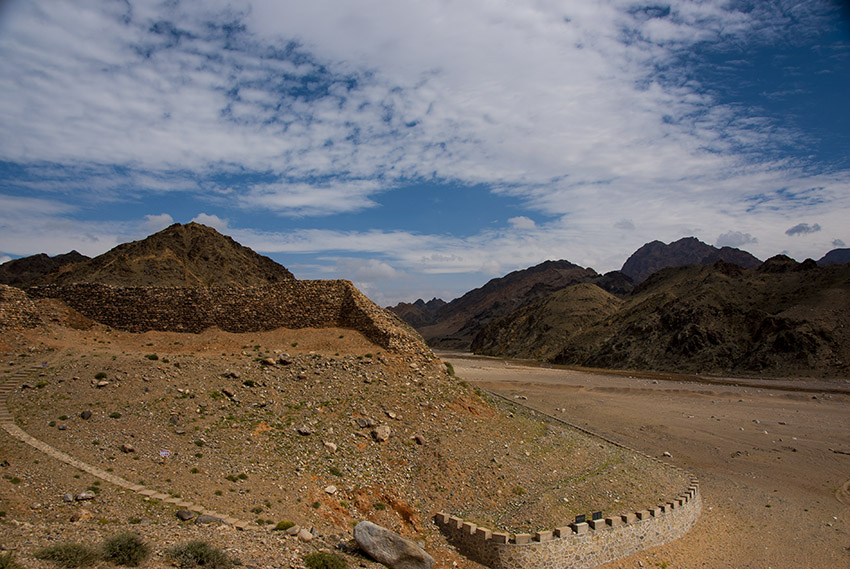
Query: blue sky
column 422, row 148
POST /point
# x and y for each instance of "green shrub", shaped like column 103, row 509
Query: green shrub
column 100, row 375
column 7, row 561
column 201, row 553
column 152, row 357
column 380, row 506
column 283, row 525
column 115, row 415
column 324, row 560
column 126, row 549
column 68, row 555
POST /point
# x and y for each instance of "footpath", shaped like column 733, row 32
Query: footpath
column 7, row 422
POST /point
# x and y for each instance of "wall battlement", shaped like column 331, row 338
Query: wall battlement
column 295, row 304
column 578, row 545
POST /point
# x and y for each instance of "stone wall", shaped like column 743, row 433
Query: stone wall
column 579, row 545
column 17, row 311
column 296, row 304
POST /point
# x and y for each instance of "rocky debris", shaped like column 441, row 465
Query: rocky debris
column 85, row 415
column 68, row 497
column 267, row 361
column 127, row 448
column 82, row 515
column 185, row 515
column 389, row 548
column 84, row 496
column 381, row 434
column 305, row 535
column 418, row 439
column 330, row 446
column 330, row 489
column 207, row 519
column 305, row 430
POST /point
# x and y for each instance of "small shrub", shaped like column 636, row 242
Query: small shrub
column 335, row 471
column 324, row 560
column 115, row 415
column 315, row 505
column 194, row 470
column 68, row 555
column 518, row 490
column 152, row 357
column 283, row 525
column 100, row 375
column 63, row 417
column 126, row 549
column 450, row 368
column 380, row 506
column 242, row 476
column 40, row 384
column 7, row 561
column 196, row 553
column 256, row 510
column 249, row 383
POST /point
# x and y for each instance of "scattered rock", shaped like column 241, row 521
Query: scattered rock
column 267, row 361
column 391, row 549
column 185, row 515
column 330, row 489
column 330, row 446
column 284, row 360
column 419, row 439
column 102, row 383
column 293, row 530
column 174, row 419
column 304, row 430
column 667, row 454
column 84, row 496
column 227, row 393
column 127, row 448
column 68, row 497
column 62, row 427
column 205, row 519
column 305, row 535
column 82, row 515
column 381, row 434
column 85, row 415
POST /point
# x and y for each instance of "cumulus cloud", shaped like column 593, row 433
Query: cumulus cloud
column 154, row 223
column 365, row 270
column 838, row 243
column 625, row 225
column 802, row 229
column 522, row 222
column 213, row 221
column 735, row 239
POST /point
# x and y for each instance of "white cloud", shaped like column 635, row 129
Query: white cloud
column 213, row 221
column 522, row 222
column 154, row 223
column 735, row 239
column 838, row 243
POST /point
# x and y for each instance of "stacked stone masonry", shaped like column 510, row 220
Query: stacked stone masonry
column 576, row 545
column 579, row 545
column 295, row 304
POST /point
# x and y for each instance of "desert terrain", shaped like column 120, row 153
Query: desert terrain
column 774, row 464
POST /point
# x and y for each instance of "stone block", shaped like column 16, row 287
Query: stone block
column 543, row 536
column 522, row 538
column 614, row 521
column 468, row 528
column 442, row 518
column 597, row 524
column 628, row 518
column 500, row 537
column 655, row 512
column 643, row 515
column 483, row 534
column 455, row 522
column 563, row 532
column 580, row 528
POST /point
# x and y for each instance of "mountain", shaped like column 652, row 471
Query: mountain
column 21, row 272
column 835, row 257
column 455, row 324
column 539, row 329
column 419, row 313
column 180, row 255
column 783, row 319
column 656, row 255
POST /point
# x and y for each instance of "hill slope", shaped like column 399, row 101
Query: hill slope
column 786, row 318
column 835, row 257
column 538, row 329
column 21, row 272
column 656, row 255
column 457, row 323
column 180, row 255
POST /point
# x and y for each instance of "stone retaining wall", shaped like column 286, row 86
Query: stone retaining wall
column 295, row 304
column 578, row 545
column 17, row 311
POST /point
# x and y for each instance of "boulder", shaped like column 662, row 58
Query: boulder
column 381, row 434
column 389, row 548
column 185, row 515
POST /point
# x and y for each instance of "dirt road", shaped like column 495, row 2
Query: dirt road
column 774, row 465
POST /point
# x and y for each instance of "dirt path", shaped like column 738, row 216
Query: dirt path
column 774, row 465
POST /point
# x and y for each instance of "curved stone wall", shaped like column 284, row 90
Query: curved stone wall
column 579, row 545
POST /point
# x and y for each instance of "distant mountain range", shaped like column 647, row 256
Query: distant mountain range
column 20, row 272
column 695, row 308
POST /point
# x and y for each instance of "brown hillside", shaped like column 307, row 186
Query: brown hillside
column 539, row 329
column 180, row 255
column 786, row 319
column 656, row 255
column 21, row 272
column 457, row 323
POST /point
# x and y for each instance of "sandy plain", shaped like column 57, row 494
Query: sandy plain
column 774, row 464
